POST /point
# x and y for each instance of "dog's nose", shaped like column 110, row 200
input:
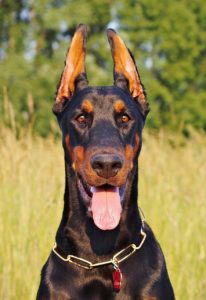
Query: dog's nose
column 106, row 165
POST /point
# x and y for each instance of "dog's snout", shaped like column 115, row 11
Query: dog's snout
column 106, row 165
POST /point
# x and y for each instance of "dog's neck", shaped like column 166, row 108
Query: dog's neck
column 77, row 233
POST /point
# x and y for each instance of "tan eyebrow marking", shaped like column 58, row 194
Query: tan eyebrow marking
column 119, row 106
column 87, row 106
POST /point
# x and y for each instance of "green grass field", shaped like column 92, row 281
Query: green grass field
column 172, row 196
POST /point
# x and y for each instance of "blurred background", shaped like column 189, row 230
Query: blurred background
column 168, row 40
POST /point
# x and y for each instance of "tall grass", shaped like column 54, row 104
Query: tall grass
column 172, row 196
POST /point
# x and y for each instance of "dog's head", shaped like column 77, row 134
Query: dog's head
column 101, row 127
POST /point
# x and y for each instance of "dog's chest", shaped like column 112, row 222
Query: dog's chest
column 96, row 284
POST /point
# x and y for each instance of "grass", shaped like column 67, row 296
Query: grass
column 172, row 196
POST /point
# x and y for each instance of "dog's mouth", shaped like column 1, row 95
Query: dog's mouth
column 104, row 203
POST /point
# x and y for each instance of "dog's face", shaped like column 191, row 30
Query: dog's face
column 101, row 129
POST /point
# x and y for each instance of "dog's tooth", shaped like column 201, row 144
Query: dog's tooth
column 92, row 189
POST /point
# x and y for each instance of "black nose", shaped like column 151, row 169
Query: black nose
column 106, row 165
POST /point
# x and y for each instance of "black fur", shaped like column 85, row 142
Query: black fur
column 102, row 131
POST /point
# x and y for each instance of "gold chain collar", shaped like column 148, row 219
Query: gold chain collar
column 115, row 260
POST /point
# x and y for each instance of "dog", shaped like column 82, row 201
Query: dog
column 104, row 250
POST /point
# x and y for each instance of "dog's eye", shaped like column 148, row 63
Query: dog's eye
column 125, row 118
column 81, row 119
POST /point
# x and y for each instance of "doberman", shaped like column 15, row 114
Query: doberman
column 103, row 250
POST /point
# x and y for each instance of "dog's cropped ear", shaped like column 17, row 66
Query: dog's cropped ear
column 74, row 76
column 126, row 75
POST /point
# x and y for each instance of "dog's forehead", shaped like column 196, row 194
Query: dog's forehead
column 103, row 97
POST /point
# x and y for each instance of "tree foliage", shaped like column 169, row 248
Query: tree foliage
column 167, row 38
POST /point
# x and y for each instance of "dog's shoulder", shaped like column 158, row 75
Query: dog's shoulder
column 153, row 271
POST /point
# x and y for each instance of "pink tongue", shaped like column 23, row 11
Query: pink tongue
column 106, row 207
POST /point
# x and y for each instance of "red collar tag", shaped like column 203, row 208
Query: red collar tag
column 117, row 279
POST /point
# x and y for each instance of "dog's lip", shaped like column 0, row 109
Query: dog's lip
column 86, row 186
column 86, row 189
column 105, row 186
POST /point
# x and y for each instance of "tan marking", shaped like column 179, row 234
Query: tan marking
column 78, row 153
column 93, row 179
column 91, row 176
column 68, row 146
column 129, row 153
column 87, row 106
column 119, row 106
column 74, row 166
column 137, row 142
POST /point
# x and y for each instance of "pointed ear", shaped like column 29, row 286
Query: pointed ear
column 74, row 74
column 126, row 75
